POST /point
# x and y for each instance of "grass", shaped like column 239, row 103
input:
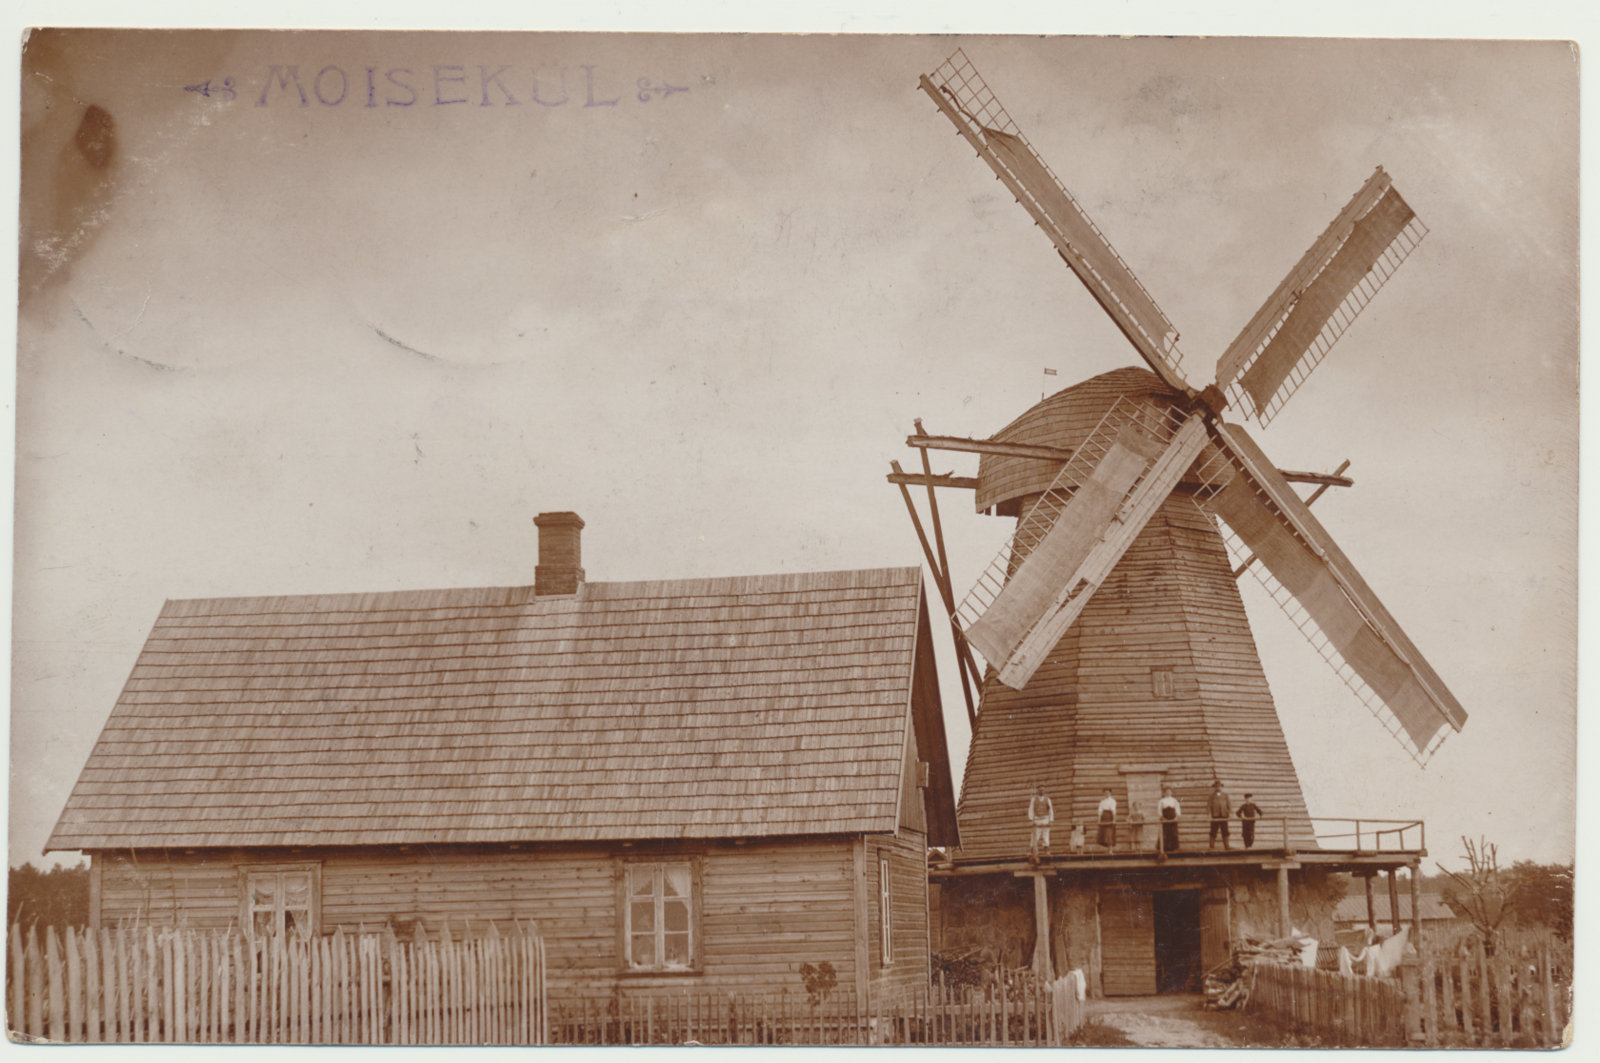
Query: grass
column 1097, row 1034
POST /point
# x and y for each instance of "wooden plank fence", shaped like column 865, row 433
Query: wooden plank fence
column 189, row 986
column 1347, row 1010
column 1035, row 1015
column 1520, row 997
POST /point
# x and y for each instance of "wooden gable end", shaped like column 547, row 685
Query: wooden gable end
column 932, row 787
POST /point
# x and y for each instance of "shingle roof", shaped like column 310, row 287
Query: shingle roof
column 765, row 705
column 1353, row 908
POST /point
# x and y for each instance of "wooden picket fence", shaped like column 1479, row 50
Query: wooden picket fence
column 1348, row 1010
column 190, row 986
column 1034, row 1015
column 1520, row 997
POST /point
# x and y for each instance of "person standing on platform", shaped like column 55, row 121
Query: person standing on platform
column 1107, row 835
column 1042, row 813
column 1136, row 825
column 1220, row 808
column 1249, row 812
column 1169, row 810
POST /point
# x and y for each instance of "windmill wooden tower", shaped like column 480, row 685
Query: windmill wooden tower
column 1119, row 654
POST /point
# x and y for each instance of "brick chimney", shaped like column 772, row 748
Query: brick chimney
column 560, row 568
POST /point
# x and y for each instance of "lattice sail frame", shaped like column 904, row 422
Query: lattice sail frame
column 1161, row 423
column 1241, row 556
column 972, row 96
column 1344, row 315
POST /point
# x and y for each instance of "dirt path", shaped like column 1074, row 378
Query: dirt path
column 1160, row 1022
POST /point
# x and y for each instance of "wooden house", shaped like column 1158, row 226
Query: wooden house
column 697, row 783
column 1359, row 912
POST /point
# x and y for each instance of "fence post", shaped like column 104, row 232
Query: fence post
column 1483, row 993
column 75, row 985
column 92, row 983
column 52, row 958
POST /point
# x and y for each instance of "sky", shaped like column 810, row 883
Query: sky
column 357, row 343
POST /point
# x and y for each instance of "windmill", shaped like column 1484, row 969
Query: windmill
column 1111, row 620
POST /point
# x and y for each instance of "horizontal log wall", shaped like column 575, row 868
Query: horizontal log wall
column 766, row 908
column 907, row 856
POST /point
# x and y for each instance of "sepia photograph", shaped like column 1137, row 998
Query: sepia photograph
column 640, row 538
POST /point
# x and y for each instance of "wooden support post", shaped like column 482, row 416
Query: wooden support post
column 1041, row 928
column 1372, row 913
column 1416, row 909
column 1283, row 901
column 1394, row 903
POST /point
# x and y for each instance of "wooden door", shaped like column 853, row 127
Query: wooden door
column 1214, row 927
column 1127, row 943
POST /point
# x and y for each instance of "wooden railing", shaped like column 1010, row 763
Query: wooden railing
column 189, row 986
column 1370, row 835
column 1519, row 997
column 1335, row 1009
column 1038, row 1014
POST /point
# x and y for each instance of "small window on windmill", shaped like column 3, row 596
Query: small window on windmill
column 1161, row 682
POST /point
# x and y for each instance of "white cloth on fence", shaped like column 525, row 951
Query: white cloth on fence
column 1346, row 962
column 1392, row 950
column 1308, row 952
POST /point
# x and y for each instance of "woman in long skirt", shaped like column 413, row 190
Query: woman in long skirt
column 1107, row 835
column 1170, row 810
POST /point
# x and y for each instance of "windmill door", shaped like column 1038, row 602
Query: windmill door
column 1127, row 943
column 1214, row 928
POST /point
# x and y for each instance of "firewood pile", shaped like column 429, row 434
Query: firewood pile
column 1228, row 984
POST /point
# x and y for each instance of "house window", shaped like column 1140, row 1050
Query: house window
column 1161, row 682
column 281, row 898
column 659, row 916
column 885, row 913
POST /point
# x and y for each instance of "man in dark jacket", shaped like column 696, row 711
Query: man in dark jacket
column 1220, row 809
column 1249, row 812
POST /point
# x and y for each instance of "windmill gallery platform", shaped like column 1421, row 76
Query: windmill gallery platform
column 1141, row 922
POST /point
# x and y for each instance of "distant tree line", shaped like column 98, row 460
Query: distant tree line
column 58, row 897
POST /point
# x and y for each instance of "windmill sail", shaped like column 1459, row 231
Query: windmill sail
column 967, row 101
column 1073, row 536
column 1316, row 584
column 1320, row 298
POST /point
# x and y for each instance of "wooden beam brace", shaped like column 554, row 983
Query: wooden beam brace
column 1062, row 454
column 987, row 446
column 936, row 480
column 1326, row 479
column 963, row 660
